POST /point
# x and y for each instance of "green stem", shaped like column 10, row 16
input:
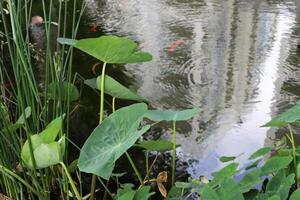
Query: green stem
column 19, row 179
column 134, row 168
column 102, row 94
column 147, row 162
column 292, row 140
column 174, row 153
column 78, row 196
column 113, row 104
column 101, row 117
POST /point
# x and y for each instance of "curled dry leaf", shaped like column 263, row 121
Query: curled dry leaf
column 160, row 179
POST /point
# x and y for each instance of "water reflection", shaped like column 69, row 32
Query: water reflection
column 232, row 64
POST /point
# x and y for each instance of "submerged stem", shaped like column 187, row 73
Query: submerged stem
column 174, row 153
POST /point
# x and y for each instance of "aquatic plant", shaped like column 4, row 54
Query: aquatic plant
column 120, row 130
column 36, row 100
column 274, row 178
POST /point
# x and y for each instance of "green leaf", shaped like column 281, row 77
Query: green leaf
column 47, row 155
column 66, row 41
column 285, row 186
column 274, row 184
column 110, row 49
column 64, row 91
column 295, row 195
column 275, row 163
column 250, row 180
column 113, row 88
column 143, row 193
column 260, row 152
column 52, row 130
column 290, row 116
column 226, row 172
column 36, row 141
column 229, row 190
column 274, row 197
column 158, row 145
column 128, row 195
column 170, row 115
column 73, row 166
column 174, row 193
column 111, row 139
column 43, row 145
column 252, row 165
column 227, row 158
column 207, row 193
column 24, row 116
column 280, row 185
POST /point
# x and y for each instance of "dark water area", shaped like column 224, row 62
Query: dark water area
column 238, row 60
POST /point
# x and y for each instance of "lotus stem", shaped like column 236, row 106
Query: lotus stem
column 101, row 117
column 174, row 153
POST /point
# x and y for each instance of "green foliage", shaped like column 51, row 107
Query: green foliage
column 127, row 193
column 295, row 195
column 170, row 115
column 113, row 88
column 64, row 91
column 290, row 116
column 260, row 152
column 110, row 49
column 276, row 163
column 158, row 145
column 111, row 139
column 227, row 158
column 46, row 152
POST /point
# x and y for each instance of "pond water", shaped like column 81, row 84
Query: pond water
column 236, row 59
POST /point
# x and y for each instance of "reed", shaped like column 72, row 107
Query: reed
column 21, row 88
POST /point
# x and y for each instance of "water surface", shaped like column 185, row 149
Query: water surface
column 239, row 61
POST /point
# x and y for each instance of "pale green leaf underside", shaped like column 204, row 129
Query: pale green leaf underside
column 170, row 115
column 113, row 88
column 111, row 139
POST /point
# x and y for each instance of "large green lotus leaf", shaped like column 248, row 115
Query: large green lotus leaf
column 111, row 139
column 170, row 115
column 289, row 116
column 47, row 155
column 64, row 91
column 113, row 88
column 110, row 49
